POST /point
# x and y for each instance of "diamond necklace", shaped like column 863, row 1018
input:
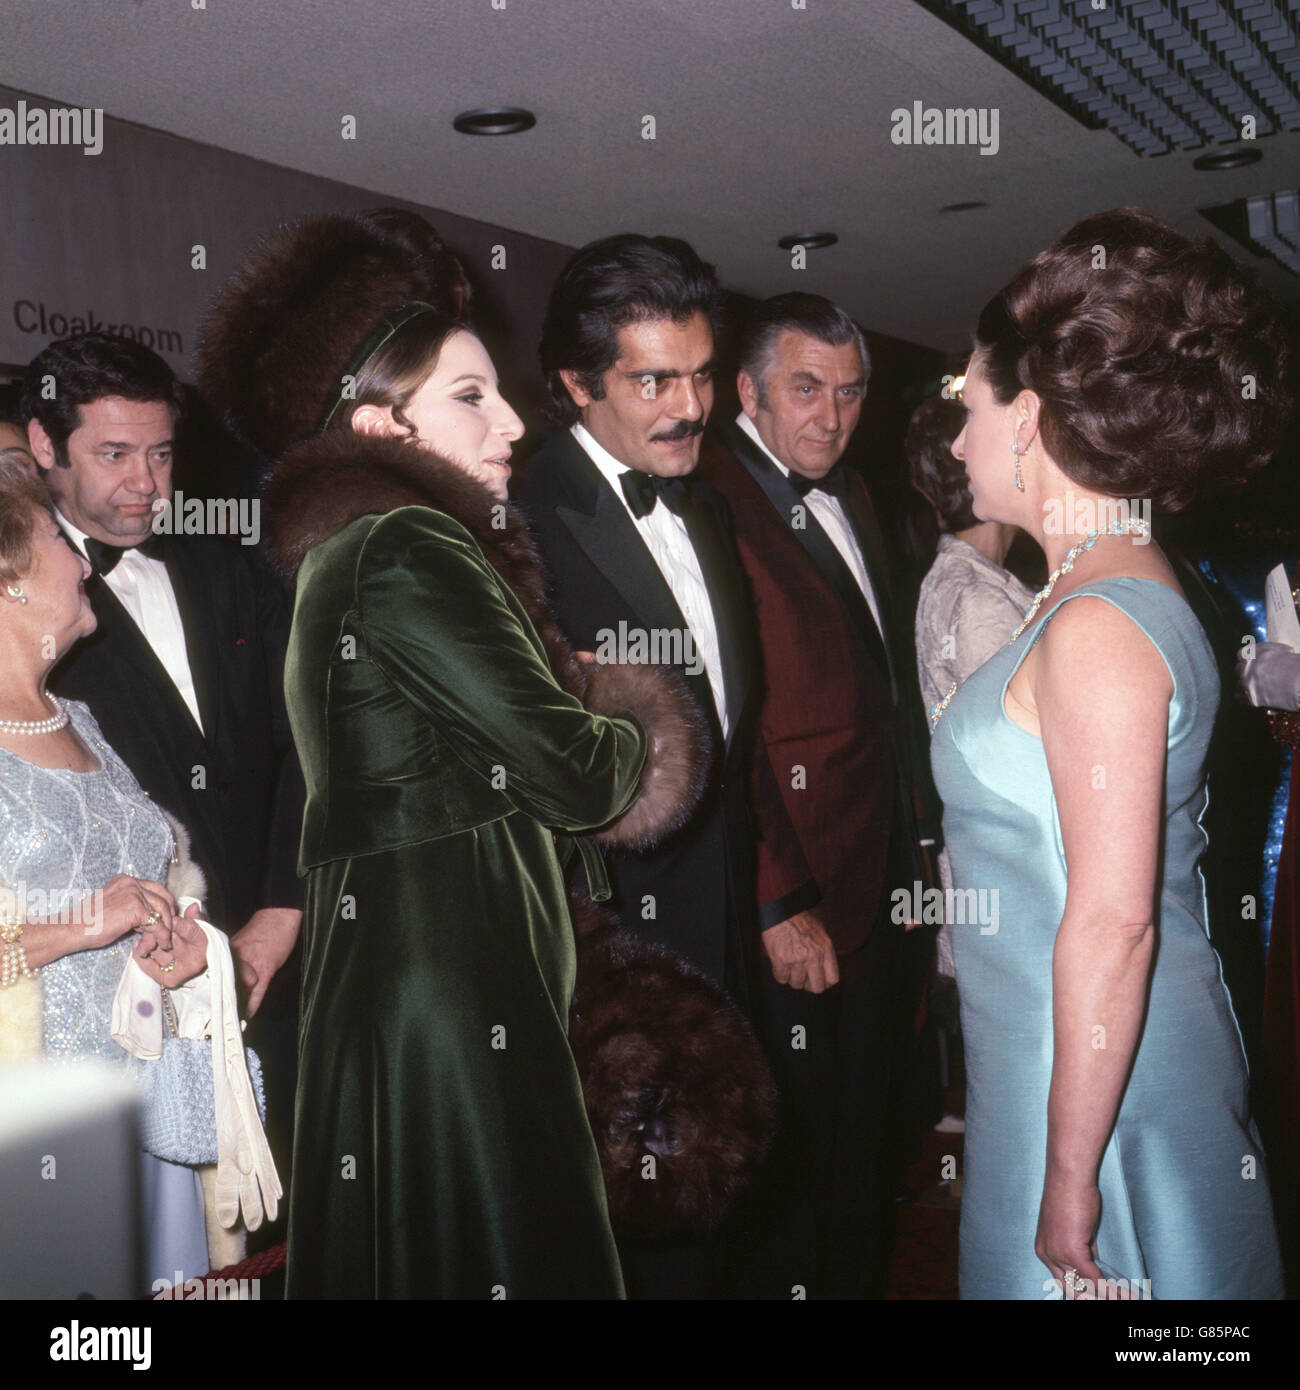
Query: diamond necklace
column 1131, row 527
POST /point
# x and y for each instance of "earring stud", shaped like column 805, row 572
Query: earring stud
column 15, row 591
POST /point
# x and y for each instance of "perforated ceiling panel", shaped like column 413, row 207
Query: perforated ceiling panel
column 1162, row 76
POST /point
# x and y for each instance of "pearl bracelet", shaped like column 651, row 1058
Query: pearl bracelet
column 13, row 965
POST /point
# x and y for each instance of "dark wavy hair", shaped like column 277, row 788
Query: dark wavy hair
column 1164, row 370
column 87, row 367
column 394, row 373
column 936, row 474
column 607, row 285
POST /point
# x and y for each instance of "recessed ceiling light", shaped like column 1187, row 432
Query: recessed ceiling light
column 495, row 120
column 1227, row 159
column 963, row 207
column 810, row 241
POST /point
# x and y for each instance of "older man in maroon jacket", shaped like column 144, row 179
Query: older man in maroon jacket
column 828, row 1009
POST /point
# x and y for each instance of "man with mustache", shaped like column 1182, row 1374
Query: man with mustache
column 631, row 537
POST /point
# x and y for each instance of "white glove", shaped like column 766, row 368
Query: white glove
column 1271, row 678
column 246, row 1175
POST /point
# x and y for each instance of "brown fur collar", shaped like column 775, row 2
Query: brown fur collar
column 329, row 482
column 324, row 485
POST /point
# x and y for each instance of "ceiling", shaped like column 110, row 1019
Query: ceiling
column 770, row 119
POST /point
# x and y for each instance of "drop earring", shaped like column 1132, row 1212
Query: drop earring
column 15, row 591
column 1015, row 454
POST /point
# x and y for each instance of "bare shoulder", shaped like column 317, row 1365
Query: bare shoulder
column 1092, row 647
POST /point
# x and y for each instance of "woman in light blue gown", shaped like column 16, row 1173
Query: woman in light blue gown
column 1109, row 1147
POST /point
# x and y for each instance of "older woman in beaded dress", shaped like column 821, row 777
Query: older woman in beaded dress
column 82, row 855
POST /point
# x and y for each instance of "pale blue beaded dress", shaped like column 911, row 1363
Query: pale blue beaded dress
column 63, row 835
column 1184, row 1193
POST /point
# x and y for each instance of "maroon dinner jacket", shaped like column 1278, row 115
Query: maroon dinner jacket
column 829, row 721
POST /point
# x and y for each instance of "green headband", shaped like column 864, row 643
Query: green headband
column 391, row 323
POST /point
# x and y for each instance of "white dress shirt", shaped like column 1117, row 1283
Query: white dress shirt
column 669, row 544
column 830, row 513
column 143, row 588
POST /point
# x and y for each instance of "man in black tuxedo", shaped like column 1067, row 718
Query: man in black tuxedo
column 184, row 673
column 641, row 558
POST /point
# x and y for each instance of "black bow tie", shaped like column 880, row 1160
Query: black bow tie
column 645, row 490
column 834, row 484
column 104, row 557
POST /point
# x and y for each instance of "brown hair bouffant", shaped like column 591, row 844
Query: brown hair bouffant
column 1163, row 369
column 936, row 474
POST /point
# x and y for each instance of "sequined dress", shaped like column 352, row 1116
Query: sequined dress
column 63, row 835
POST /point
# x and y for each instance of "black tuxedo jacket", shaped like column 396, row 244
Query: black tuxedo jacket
column 235, row 785
column 701, row 883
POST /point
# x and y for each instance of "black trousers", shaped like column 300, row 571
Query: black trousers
column 815, row 1222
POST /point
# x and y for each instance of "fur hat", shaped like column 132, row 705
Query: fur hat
column 283, row 329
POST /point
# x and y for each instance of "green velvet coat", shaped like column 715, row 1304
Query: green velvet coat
column 442, row 1148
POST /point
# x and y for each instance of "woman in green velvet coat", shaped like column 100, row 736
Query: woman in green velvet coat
column 452, row 748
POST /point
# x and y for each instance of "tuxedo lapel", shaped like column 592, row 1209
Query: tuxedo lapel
column 726, row 588
column 862, row 518
column 201, row 640
column 119, row 634
column 814, row 540
column 598, row 522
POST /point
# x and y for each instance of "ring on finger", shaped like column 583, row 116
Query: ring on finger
column 153, row 918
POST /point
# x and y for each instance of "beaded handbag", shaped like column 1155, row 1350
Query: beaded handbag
column 178, row 1120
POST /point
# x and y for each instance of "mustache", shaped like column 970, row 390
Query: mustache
column 686, row 429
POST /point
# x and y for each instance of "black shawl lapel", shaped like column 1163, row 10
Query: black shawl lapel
column 131, row 652
column 727, row 596
column 815, row 541
column 202, row 643
column 862, row 518
column 599, row 523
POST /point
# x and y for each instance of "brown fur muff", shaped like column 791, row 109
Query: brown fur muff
column 282, row 331
column 680, row 1099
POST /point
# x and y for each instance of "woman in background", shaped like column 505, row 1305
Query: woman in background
column 969, row 601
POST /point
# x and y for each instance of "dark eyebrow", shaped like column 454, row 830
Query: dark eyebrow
column 127, row 446
column 664, row 375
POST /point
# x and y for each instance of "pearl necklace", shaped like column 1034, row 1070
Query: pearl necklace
column 1131, row 527
column 37, row 726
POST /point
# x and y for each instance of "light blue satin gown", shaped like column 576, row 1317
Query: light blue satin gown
column 1185, row 1206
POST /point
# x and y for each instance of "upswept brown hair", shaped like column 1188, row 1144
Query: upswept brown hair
column 1164, row 372
column 21, row 496
column 393, row 374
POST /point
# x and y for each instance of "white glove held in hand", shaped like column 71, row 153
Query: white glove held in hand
column 1271, row 678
